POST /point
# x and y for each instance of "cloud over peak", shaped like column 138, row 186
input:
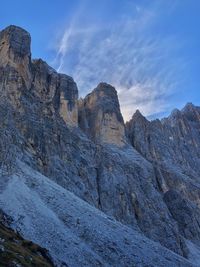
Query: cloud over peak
column 128, row 53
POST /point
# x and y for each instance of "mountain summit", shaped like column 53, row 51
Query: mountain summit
column 80, row 183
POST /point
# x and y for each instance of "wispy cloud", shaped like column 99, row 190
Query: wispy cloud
column 143, row 67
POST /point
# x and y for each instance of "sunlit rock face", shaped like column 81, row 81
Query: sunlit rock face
column 18, row 74
column 15, row 47
column 100, row 116
column 68, row 105
column 15, row 62
column 56, row 89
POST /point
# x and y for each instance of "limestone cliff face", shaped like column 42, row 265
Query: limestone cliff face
column 137, row 180
column 137, row 131
column 15, row 62
column 18, row 74
column 100, row 116
column 56, row 89
column 163, row 140
column 15, row 47
column 173, row 147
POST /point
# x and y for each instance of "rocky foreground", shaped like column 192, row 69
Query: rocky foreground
column 79, row 182
column 16, row 252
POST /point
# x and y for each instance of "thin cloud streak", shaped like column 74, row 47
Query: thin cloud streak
column 143, row 68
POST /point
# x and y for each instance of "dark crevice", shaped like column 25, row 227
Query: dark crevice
column 98, row 176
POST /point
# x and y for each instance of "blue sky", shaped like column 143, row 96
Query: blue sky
column 149, row 50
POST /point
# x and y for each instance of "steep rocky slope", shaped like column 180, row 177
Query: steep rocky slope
column 58, row 152
column 74, row 232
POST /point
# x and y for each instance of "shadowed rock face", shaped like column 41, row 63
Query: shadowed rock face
column 100, row 116
column 172, row 140
column 93, row 160
column 186, row 213
column 173, row 147
column 14, row 45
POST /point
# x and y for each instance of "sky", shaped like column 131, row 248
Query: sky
column 147, row 49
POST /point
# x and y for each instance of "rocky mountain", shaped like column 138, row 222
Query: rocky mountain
column 100, row 117
column 79, row 182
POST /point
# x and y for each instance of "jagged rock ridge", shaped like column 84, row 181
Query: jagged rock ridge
column 81, row 145
column 173, row 147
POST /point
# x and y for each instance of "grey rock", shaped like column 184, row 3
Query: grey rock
column 170, row 141
column 81, row 146
column 186, row 213
column 15, row 58
column 75, row 233
column 59, row 91
column 19, row 76
column 172, row 146
column 100, row 116
column 15, row 41
column 2, row 249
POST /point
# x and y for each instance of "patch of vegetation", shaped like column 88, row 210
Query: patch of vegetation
column 18, row 252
